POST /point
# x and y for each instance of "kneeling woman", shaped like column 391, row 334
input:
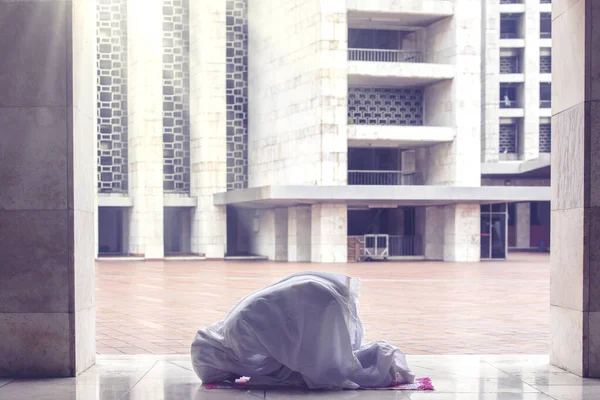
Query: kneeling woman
column 301, row 331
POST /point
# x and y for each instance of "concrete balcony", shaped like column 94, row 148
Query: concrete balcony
column 394, row 68
column 381, row 13
column 382, row 178
column 512, row 43
column 514, row 7
column 512, row 78
column 404, row 137
column 545, row 108
column 382, row 55
column 511, row 109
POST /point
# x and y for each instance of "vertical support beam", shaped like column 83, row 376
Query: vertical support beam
column 575, row 268
column 281, row 234
column 47, row 213
column 462, row 233
column 329, row 233
column 430, row 227
column 299, row 232
column 144, row 18
column 208, row 125
column 530, row 137
column 523, row 225
column 466, row 86
column 490, row 77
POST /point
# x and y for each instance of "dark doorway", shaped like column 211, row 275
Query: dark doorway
column 493, row 231
column 113, row 226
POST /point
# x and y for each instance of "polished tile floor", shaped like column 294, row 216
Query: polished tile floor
column 171, row 378
column 496, row 307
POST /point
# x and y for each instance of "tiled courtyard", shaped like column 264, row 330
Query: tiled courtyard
column 496, row 307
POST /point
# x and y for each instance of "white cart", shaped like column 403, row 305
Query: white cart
column 377, row 247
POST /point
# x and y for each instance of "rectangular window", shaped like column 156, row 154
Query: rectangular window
column 545, row 26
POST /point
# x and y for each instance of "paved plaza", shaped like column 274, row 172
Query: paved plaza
column 422, row 307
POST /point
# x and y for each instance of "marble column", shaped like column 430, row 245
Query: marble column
column 462, row 233
column 575, row 268
column 47, row 168
column 299, row 227
column 208, row 125
column 523, row 225
column 329, row 233
column 145, row 107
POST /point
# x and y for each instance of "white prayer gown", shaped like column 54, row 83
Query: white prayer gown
column 301, row 331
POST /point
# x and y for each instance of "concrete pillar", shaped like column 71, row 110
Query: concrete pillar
column 490, row 78
column 208, row 125
column 281, row 234
column 456, row 103
column 47, row 168
column 299, row 232
column 530, row 137
column 409, row 161
column 523, row 225
column 462, row 233
column 575, row 268
column 430, row 227
column 329, row 233
column 467, row 87
column 145, row 55
column 184, row 231
column 262, row 237
column 298, row 134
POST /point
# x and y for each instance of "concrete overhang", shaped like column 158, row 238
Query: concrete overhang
column 396, row 15
column 512, row 78
column 401, row 74
column 540, row 165
column 512, row 8
column 511, row 113
column 174, row 200
column 114, row 200
column 512, row 43
column 404, row 137
column 373, row 196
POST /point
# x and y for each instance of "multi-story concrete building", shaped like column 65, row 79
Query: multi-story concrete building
column 517, row 131
column 292, row 129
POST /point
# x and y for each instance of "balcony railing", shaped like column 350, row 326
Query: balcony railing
column 545, row 103
column 510, row 103
column 376, row 55
column 545, row 35
column 511, row 1
column 397, row 246
column 510, row 35
column 405, row 246
column 382, row 178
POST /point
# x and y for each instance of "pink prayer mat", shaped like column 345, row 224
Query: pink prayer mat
column 420, row 384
